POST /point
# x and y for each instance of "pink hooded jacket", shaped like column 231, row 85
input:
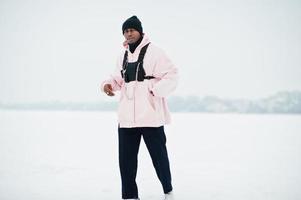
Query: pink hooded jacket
column 143, row 103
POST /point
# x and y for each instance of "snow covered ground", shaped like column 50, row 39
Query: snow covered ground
column 60, row 155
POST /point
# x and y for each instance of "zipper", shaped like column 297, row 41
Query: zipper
column 135, row 91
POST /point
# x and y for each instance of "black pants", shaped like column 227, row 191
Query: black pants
column 129, row 142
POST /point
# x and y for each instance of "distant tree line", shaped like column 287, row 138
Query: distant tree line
column 281, row 102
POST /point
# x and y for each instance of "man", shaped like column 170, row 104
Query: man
column 145, row 77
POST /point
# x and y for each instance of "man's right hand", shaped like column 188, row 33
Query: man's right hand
column 107, row 88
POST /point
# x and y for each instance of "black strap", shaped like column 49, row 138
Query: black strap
column 125, row 59
column 142, row 53
column 149, row 77
column 140, row 58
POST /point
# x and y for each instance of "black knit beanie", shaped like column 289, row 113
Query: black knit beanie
column 132, row 22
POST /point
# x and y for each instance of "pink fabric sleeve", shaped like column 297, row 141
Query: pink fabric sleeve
column 167, row 74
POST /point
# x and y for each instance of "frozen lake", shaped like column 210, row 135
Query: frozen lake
column 61, row 155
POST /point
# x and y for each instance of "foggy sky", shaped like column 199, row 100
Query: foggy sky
column 62, row 50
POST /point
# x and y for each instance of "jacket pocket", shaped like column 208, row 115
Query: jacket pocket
column 151, row 100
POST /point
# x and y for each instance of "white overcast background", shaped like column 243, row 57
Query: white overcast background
column 62, row 50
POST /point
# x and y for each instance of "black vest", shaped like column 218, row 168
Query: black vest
column 134, row 71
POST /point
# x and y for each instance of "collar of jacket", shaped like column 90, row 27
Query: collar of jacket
column 132, row 47
column 144, row 41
